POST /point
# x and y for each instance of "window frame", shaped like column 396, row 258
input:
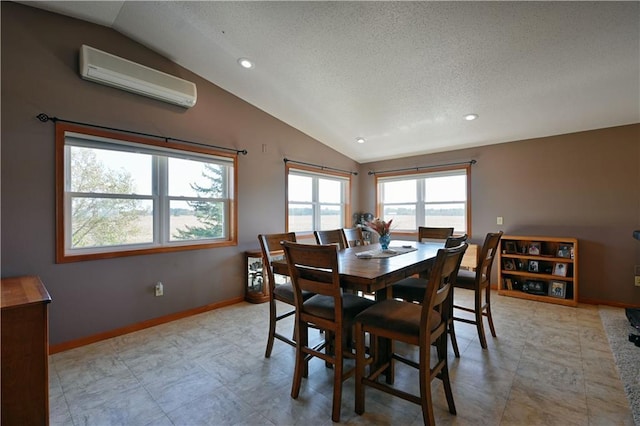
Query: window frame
column 415, row 175
column 63, row 224
column 315, row 173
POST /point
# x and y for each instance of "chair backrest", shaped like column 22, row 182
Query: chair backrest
column 430, row 233
column 314, row 268
column 441, row 278
column 272, row 249
column 353, row 236
column 333, row 236
column 455, row 241
column 487, row 254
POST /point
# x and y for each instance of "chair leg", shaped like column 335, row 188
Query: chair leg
column 329, row 348
column 425, row 383
column 337, row 376
column 441, row 349
column 479, row 319
column 272, row 327
column 360, row 364
column 454, row 341
column 301, row 364
column 489, row 317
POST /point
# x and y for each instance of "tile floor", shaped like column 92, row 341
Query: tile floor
column 550, row 365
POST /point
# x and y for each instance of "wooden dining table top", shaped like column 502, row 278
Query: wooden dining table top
column 374, row 274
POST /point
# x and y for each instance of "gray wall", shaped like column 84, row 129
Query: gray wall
column 585, row 185
column 40, row 74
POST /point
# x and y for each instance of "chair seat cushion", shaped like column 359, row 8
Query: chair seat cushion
column 284, row 292
column 411, row 289
column 466, row 279
column 397, row 316
column 323, row 306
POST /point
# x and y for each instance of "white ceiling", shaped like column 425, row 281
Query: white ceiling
column 402, row 74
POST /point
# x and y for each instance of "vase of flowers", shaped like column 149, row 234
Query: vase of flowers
column 384, row 241
column 383, row 229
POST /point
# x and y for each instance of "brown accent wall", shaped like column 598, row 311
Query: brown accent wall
column 40, row 74
column 584, row 185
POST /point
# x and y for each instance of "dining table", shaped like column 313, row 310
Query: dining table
column 369, row 269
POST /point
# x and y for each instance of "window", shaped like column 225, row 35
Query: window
column 437, row 198
column 120, row 195
column 316, row 201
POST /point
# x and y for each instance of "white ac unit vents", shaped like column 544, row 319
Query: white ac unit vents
column 111, row 70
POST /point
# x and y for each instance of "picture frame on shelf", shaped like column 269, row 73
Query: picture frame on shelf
column 564, row 250
column 535, row 287
column 533, row 266
column 558, row 289
column 509, row 265
column 508, row 284
column 534, row 248
column 560, row 269
column 510, row 247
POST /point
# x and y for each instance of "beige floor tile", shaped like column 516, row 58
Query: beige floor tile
column 548, row 365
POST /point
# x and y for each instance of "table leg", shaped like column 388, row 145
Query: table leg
column 384, row 346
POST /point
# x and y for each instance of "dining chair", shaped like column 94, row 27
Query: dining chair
column 353, row 236
column 333, row 236
column 479, row 282
column 421, row 325
column 314, row 269
column 271, row 247
column 430, row 233
column 411, row 289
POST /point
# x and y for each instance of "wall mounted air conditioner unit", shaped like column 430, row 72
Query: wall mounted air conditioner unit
column 111, row 70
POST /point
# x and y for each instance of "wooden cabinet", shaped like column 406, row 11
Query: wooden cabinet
column 25, row 351
column 539, row 268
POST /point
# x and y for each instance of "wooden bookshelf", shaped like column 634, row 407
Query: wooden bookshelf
column 539, row 268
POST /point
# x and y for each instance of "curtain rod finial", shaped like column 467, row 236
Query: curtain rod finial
column 42, row 117
column 243, row 152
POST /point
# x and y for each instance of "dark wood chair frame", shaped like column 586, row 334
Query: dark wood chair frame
column 314, row 269
column 271, row 247
column 479, row 284
column 411, row 289
column 332, row 236
column 431, row 233
column 353, row 236
column 382, row 321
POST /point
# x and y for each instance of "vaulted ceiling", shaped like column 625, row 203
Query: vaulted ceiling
column 402, row 74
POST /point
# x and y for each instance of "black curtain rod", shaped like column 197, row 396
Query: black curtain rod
column 44, row 118
column 424, row 167
column 286, row 160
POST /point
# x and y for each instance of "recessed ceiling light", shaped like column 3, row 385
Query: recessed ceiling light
column 360, row 140
column 245, row 63
column 470, row 117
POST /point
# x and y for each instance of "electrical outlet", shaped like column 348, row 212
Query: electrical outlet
column 159, row 289
column 499, row 220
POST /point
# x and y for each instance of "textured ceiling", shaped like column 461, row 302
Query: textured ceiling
column 402, row 74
